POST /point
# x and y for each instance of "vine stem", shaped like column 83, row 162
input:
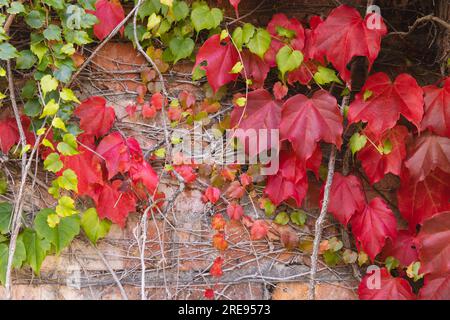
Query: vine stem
column 322, row 215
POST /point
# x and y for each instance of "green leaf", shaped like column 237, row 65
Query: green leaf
column 269, row 207
column 68, row 95
column 16, row 8
column 288, row 60
column 367, row 94
column 5, row 217
column 68, row 49
column 7, row 51
column 413, row 271
column 93, row 226
column 19, row 257
column 288, row 33
column 39, row 49
column 78, row 37
column 181, row 48
column 66, row 207
column 391, row 263
column 260, row 42
column 387, row 146
column 180, row 10
column 62, row 234
column 36, row 249
column 298, row 217
column 357, row 142
column 237, row 68
column 204, row 18
column 198, row 73
column 32, row 107
column 50, row 109
column 335, row 244
column 53, row 32
column 35, row 19
column 331, row 258
column 3, row 184
column 68, row 180
column 48, row 83
column 325, row 76
column 148, row 7
column 52, row 163
column 282, row 218
column 241, row 36
column 28, row 90
column 68, row 147
column 53, row 220
column 56, row 4
column 59, row 124
column 25, row 60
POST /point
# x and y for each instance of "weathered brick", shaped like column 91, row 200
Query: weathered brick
column 299, row 291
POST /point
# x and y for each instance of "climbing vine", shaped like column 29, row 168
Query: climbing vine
column 100, row 176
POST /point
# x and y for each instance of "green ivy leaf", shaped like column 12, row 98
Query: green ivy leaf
column 260, row 42
column 282, row 218
column 19, row 257
column 325, row 76
column 56, row 4
column 387, row 146
column 357, row 142
column 50, row 109
column 68, row 147
column 25, row 60
column 204, row 18
column 53, row 32
column 7, row 51
column 5, row 217
column 93, row 226
column 68, row 95
column 36, row 249
column 68, row 180
column 148, row 7
column 298, row 217
column 52, row 163
column 60, row 236
column 35, row 19
column 288, row 60
column 391, row 263
column 66, row 207
column 331, row 258
column 181, row 48
column 48, row 84
column 39, row 49
column 32, row 107
column 16, row 8
column 180, row 10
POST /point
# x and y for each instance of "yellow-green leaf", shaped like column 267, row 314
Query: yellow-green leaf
column 50, row 109
column 53, row 163
column 68, row 95
column 68, row 180
column 48, row 84
column 59, row 124
column 66, row 207
column 94, row 227
column 53, row 220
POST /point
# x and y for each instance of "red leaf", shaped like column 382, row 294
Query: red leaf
column 186, row 172
column 255, row 68
column 95, row 117
column 115, row 152
column 418, row 201
column 235, row 211
column 109, row 14
column 428, row 153
column 377, row 164
column 291, row 180
column 345, row 35
column 131, row 110
column 142, row 173
column 235, row 190
column 87, row 168
column 280, row 90
column 372, row 226
column 219, row 241
column 261, row 112
column 306, row 121
column 115, row 205
column 220, row 59
column 211, row 194
column 209, row 294
column 390, row 288
column 387, row 102
column 435, row 288
column 235, row 4
column 9, row 134
column 259, row 230
column 174, row 113
column 157, row 100
column 218, row 222
column 148, row 111
column 246, row 180
column 433, row 243
column 403, row 248
column 437, row 109
column 216, row 269
column 297, row 42
column 187, row 99
column 346, row 197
